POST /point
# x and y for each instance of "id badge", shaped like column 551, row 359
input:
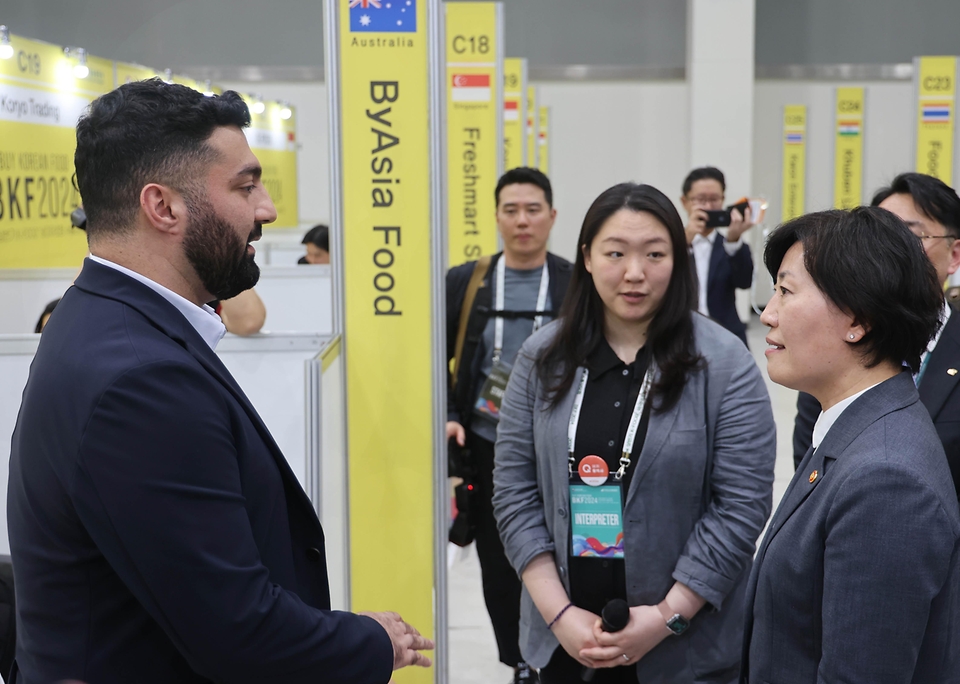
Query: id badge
column 491, row 395
column 596, row 512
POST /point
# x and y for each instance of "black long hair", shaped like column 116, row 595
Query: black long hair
column 670, row 334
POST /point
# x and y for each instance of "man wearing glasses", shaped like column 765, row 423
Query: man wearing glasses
column 723, row 263
column 931, row 209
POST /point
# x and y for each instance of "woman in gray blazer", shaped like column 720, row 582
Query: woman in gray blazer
column 634, row 460
column 858, row 576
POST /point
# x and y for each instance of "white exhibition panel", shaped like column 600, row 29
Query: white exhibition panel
column 273, row 371
column 334, row 511
column 297, row 298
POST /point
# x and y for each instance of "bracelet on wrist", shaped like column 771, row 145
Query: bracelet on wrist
column 559, row 615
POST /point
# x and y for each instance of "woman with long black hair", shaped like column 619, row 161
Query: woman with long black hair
column 634, row 461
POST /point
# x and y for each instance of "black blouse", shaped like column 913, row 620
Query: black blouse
column 608, row 403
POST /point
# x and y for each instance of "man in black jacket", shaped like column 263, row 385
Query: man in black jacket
column 522, row 289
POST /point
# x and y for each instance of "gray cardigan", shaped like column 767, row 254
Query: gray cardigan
column 720, row 436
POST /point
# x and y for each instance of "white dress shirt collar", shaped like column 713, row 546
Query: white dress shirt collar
column 204, row 319
column 829, row 417
column 702, row 247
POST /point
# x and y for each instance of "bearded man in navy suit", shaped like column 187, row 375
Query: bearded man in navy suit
column 157, row 532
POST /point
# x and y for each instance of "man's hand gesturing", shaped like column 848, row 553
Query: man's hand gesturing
column 406, row 640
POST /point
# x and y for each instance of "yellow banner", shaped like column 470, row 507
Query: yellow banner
column 794, row 161
column 473, row 148
column 41, row 98
column 387, row 296
column 514, row 113
column 543, row 141
column 936, row 92
column 848, row 149
column 532, row 121
column 272, row 136
column 128, row 73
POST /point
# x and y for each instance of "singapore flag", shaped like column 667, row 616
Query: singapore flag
column 471, row 88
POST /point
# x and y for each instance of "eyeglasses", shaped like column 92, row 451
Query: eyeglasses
column 707, row 199
column 916, row 227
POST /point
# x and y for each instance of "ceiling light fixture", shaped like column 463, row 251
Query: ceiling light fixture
column 6, row 49
column 80, row 69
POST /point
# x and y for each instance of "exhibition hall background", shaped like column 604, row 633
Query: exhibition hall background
column 615, row 74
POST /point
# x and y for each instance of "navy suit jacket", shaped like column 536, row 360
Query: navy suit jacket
column 939, row 391
column 725, row 276
column 157, row 532
column 858, row 575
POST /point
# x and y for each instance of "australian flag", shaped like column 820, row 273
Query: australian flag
column 383, row 16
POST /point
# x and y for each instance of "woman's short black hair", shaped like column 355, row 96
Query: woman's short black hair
column 868, row 263
column 318, row 236
column 670, row 333
column 47, row 310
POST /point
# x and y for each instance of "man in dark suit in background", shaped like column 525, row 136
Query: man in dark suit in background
column 931, row 209
column 723, row 263
column 156, row 530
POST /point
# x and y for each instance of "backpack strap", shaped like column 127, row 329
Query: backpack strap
column 479, row 273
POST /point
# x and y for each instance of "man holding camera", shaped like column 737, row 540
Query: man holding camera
column 723, row 264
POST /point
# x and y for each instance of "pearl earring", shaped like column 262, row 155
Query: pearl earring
column 852, row 336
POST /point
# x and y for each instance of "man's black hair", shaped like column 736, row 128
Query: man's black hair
column 868, row 263
column 145, row 132
column 704, row 173
column 319, row 235
column 935, row 199
column 525, row 174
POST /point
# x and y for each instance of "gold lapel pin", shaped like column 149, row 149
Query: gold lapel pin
column 951, row 371
column 813, row 476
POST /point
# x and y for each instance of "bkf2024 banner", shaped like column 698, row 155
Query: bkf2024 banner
column 42, row 96
column 272, row 136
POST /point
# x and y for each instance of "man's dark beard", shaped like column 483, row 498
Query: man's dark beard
column 216, row 253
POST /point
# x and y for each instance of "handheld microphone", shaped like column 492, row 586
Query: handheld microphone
column 614, row 617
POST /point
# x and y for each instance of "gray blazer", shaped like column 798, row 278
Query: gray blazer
column 858, row 576
column 720, row 435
